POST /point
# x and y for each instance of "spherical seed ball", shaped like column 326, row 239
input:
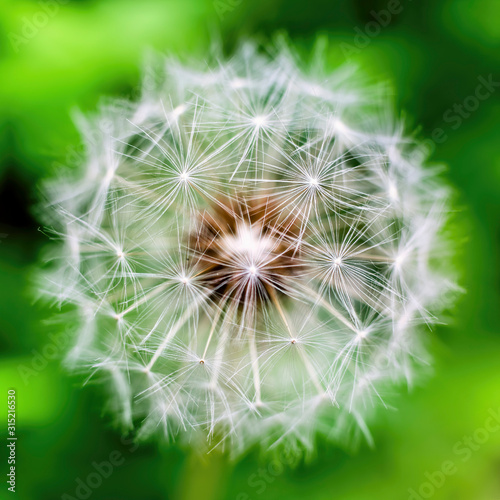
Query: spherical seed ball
column 250, row 250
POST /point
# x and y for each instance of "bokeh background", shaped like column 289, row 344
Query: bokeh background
column 60, row 55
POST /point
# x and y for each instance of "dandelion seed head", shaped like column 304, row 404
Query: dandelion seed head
column 250, row 251
column 399, row 260
column 259, row 120
column 313, row 182
column 339, row 127
column 393, row 192
column 253, row 270
column 238, row 83
column 361, row 334
column 179, row 110
column 184, row 177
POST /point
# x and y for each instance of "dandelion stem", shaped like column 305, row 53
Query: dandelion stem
column 321, row 300
column 155, row 291
column 303, row 355
column 175, row 328
column 255, row 367
column 212, row 329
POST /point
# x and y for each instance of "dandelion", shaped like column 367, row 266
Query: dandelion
column 249, row 250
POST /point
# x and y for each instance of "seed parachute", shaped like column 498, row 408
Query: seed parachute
column 249, row 252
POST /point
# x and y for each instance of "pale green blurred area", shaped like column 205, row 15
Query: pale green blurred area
column 433, row 52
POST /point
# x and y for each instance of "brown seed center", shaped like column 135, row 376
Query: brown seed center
column 246, row 250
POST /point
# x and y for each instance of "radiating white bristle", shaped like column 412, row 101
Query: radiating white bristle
column 222, row 370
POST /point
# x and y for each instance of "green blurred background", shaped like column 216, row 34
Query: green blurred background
column 56, row 56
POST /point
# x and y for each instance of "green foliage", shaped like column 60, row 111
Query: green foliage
column 433, row 51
